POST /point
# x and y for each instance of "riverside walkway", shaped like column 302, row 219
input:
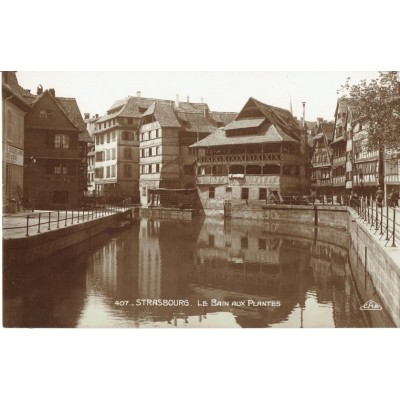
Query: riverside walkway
column 26, row 224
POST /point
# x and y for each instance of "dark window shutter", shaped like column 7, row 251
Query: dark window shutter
column 50, row 141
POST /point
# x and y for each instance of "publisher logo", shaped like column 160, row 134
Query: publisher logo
column 371, row 305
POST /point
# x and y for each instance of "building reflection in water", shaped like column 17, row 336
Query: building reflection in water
column 305, row 269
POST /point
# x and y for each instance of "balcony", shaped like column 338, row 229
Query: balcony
column 245, row 158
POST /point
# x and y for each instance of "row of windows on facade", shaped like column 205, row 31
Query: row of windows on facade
column 112, row 137
column 244, row 193
column 112, row 122
column 155, row 169
column 110, row 171
column 363, row 169
column 111, row 154
column 59, row 169
column 255, row 149
column 154, row 134
column 272, row 169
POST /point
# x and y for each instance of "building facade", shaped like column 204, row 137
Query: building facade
column 338, row 148
column 366, row 162
column 14, row 108
column 54, row 153
column 117, row 148
column 167, row 162
column 258, row 158
column 321, row 160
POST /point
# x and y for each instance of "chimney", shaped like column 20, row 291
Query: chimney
column 87, row 115
column 304, row 113
column 39, row 90
column 201, row 100
column 187, row 99
column 177, row 101
column 320, row 121
column 138, row 93
column 97, row 115
column 52, row 92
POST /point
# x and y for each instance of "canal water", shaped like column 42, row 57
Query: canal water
column 205, row 273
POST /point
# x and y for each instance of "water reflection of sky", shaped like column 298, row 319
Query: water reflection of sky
column 306, row 269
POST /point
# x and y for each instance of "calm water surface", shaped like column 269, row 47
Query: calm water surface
column 211, row 273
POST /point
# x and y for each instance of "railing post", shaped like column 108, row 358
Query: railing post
column 27, row 225
column 48, row 228
column 39, row 224
column 394, row 227
column 72, row 220
column 83, row 219
column 381, row 219
column 78, row 216
column 66, row 215
column 387, row 223
column 376, row 215
column 58, row 219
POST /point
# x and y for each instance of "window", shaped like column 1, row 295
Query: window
column 158, row 152
column 263, row 194
column 158, row 133
column 113, row 136
column 98, row 172
column 157, row 168
column 60, row 169
column 101, row 139
column 108, row 154
column 150, row 151
column 108, row 172
column 46, row 114
column 127, row 153
column 262, row 244
column 61, row 141
column 142, row 153
column 113, row 171
column 211, row 192
column 210, row 240
column 60, row 196
column 150, row 168
column 245, row 193
column 130, row 121
column 244, row 242
column 192, row 152
column 113, row 154
column 228, row 189
column 108, row 137
column 125, row 136
column 97, row 140
column 127, row 171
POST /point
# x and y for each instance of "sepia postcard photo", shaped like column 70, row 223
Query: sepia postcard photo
column 201, row 199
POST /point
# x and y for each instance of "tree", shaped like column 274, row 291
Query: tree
column 378, row 103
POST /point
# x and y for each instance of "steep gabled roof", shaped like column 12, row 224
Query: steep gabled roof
column 164, row 114
column 67, row 106
column 277, row 116
column 270, row 134
column 10, row 83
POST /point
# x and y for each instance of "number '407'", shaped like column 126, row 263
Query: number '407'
column 121, row 302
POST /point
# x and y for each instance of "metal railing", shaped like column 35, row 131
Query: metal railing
column 50, row 220
column 382, row 218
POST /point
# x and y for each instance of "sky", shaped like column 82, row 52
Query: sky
column 223, row 91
